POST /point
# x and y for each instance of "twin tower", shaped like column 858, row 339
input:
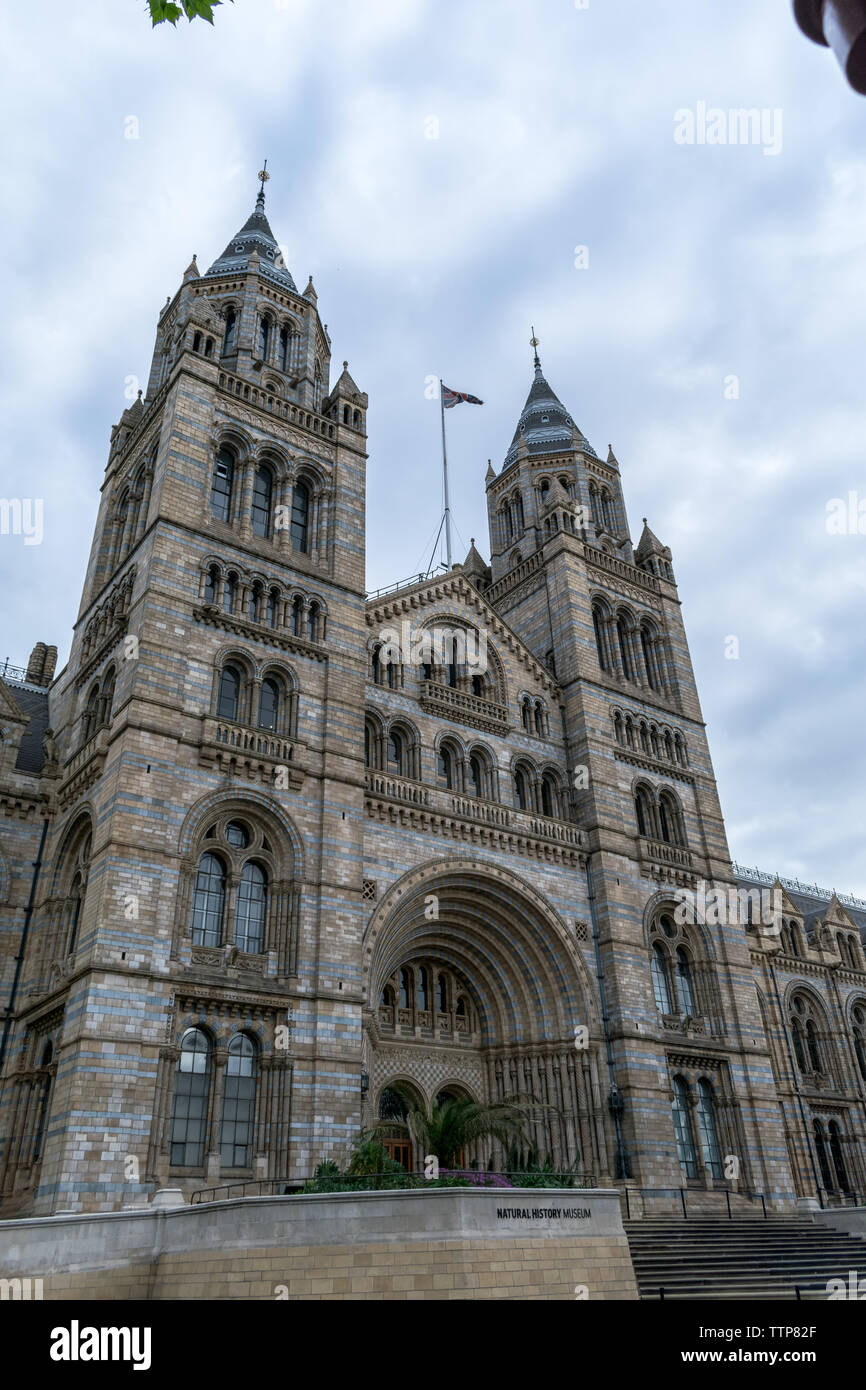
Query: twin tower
column 283, row 884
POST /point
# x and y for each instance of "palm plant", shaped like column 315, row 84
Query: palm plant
column 457, row 1122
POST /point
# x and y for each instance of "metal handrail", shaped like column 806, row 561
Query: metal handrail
column 285, row 1187
column 405, row 583
column 702, row 1192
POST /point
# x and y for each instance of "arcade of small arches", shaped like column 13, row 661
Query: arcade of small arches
column 425, row 996
column 645, row 736
column 443, row 669
column 394, row 747
column 260, row 494
column 659, row 815
column 237, row 593
column 602, row 506
column 29, row 1104
column 109, row 619
column 58, row 918
column 278, row 341
column 260, row 697
column 534, row 716
column 631, row 649
column 98, row 704
column 128, row 515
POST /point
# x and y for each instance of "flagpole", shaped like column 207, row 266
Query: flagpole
column 445, row 479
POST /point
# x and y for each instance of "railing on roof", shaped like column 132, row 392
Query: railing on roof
column 405, row 583
column 12, row 673
column 795, row 886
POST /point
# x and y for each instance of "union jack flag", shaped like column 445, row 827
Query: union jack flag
column 450, row 398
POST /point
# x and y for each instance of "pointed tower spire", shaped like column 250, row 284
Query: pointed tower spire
column 263, row 177
column 255, row 235
column 533, row 343
column 545, row 425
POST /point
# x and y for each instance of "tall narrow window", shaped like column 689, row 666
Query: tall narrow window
column 624, row 649
column 47, row 1055
column 229, row 693
column 221, row 485
column 251, row 909
column 230, row 589
column 189, row 1108
column 238, row 1104
column 707, row 1125
column 799, row 1050
column 858, row 1016
column 211, row 583
column 648, row 657
column 273, row 608
column 264, row 336
column 284, row 349
column 661, row 987
column 685, row 992
column 91, row 713
column 269, row 704
column 836, row 1155
column 208, row 902
column 229, row 334
column 442, row 995
column 823, row 1160
column 76, row 897
column 297, row 617
column 549, row 798
column 521, row 793
column 313, row 623
column 683, row 1129
column 405, row 989
column 475, row 777
column 261, row 508
column 396, row 753
column 300, row 516
column 643, row 813
column 423, row 988
column 445, row 768
column 599, row 638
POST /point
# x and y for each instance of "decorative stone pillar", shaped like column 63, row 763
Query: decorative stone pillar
column 246, row 499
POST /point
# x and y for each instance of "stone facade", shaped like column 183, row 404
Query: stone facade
column 446, row 1244
column 299, row 845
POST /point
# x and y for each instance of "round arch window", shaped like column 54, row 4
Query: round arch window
column 237, row 834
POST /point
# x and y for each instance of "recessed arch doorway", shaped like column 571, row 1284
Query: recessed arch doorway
column 474, row 985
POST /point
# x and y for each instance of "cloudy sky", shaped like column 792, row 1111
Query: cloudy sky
column 435, row 166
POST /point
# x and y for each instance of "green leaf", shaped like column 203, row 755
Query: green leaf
column 160, row 12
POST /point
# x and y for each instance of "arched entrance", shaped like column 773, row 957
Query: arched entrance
column 394, row 1102
column 474, row 984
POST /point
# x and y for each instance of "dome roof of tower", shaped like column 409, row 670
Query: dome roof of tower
column 255, row 236
column 545, row 423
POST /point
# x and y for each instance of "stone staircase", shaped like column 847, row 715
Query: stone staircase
column 747, row 1257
